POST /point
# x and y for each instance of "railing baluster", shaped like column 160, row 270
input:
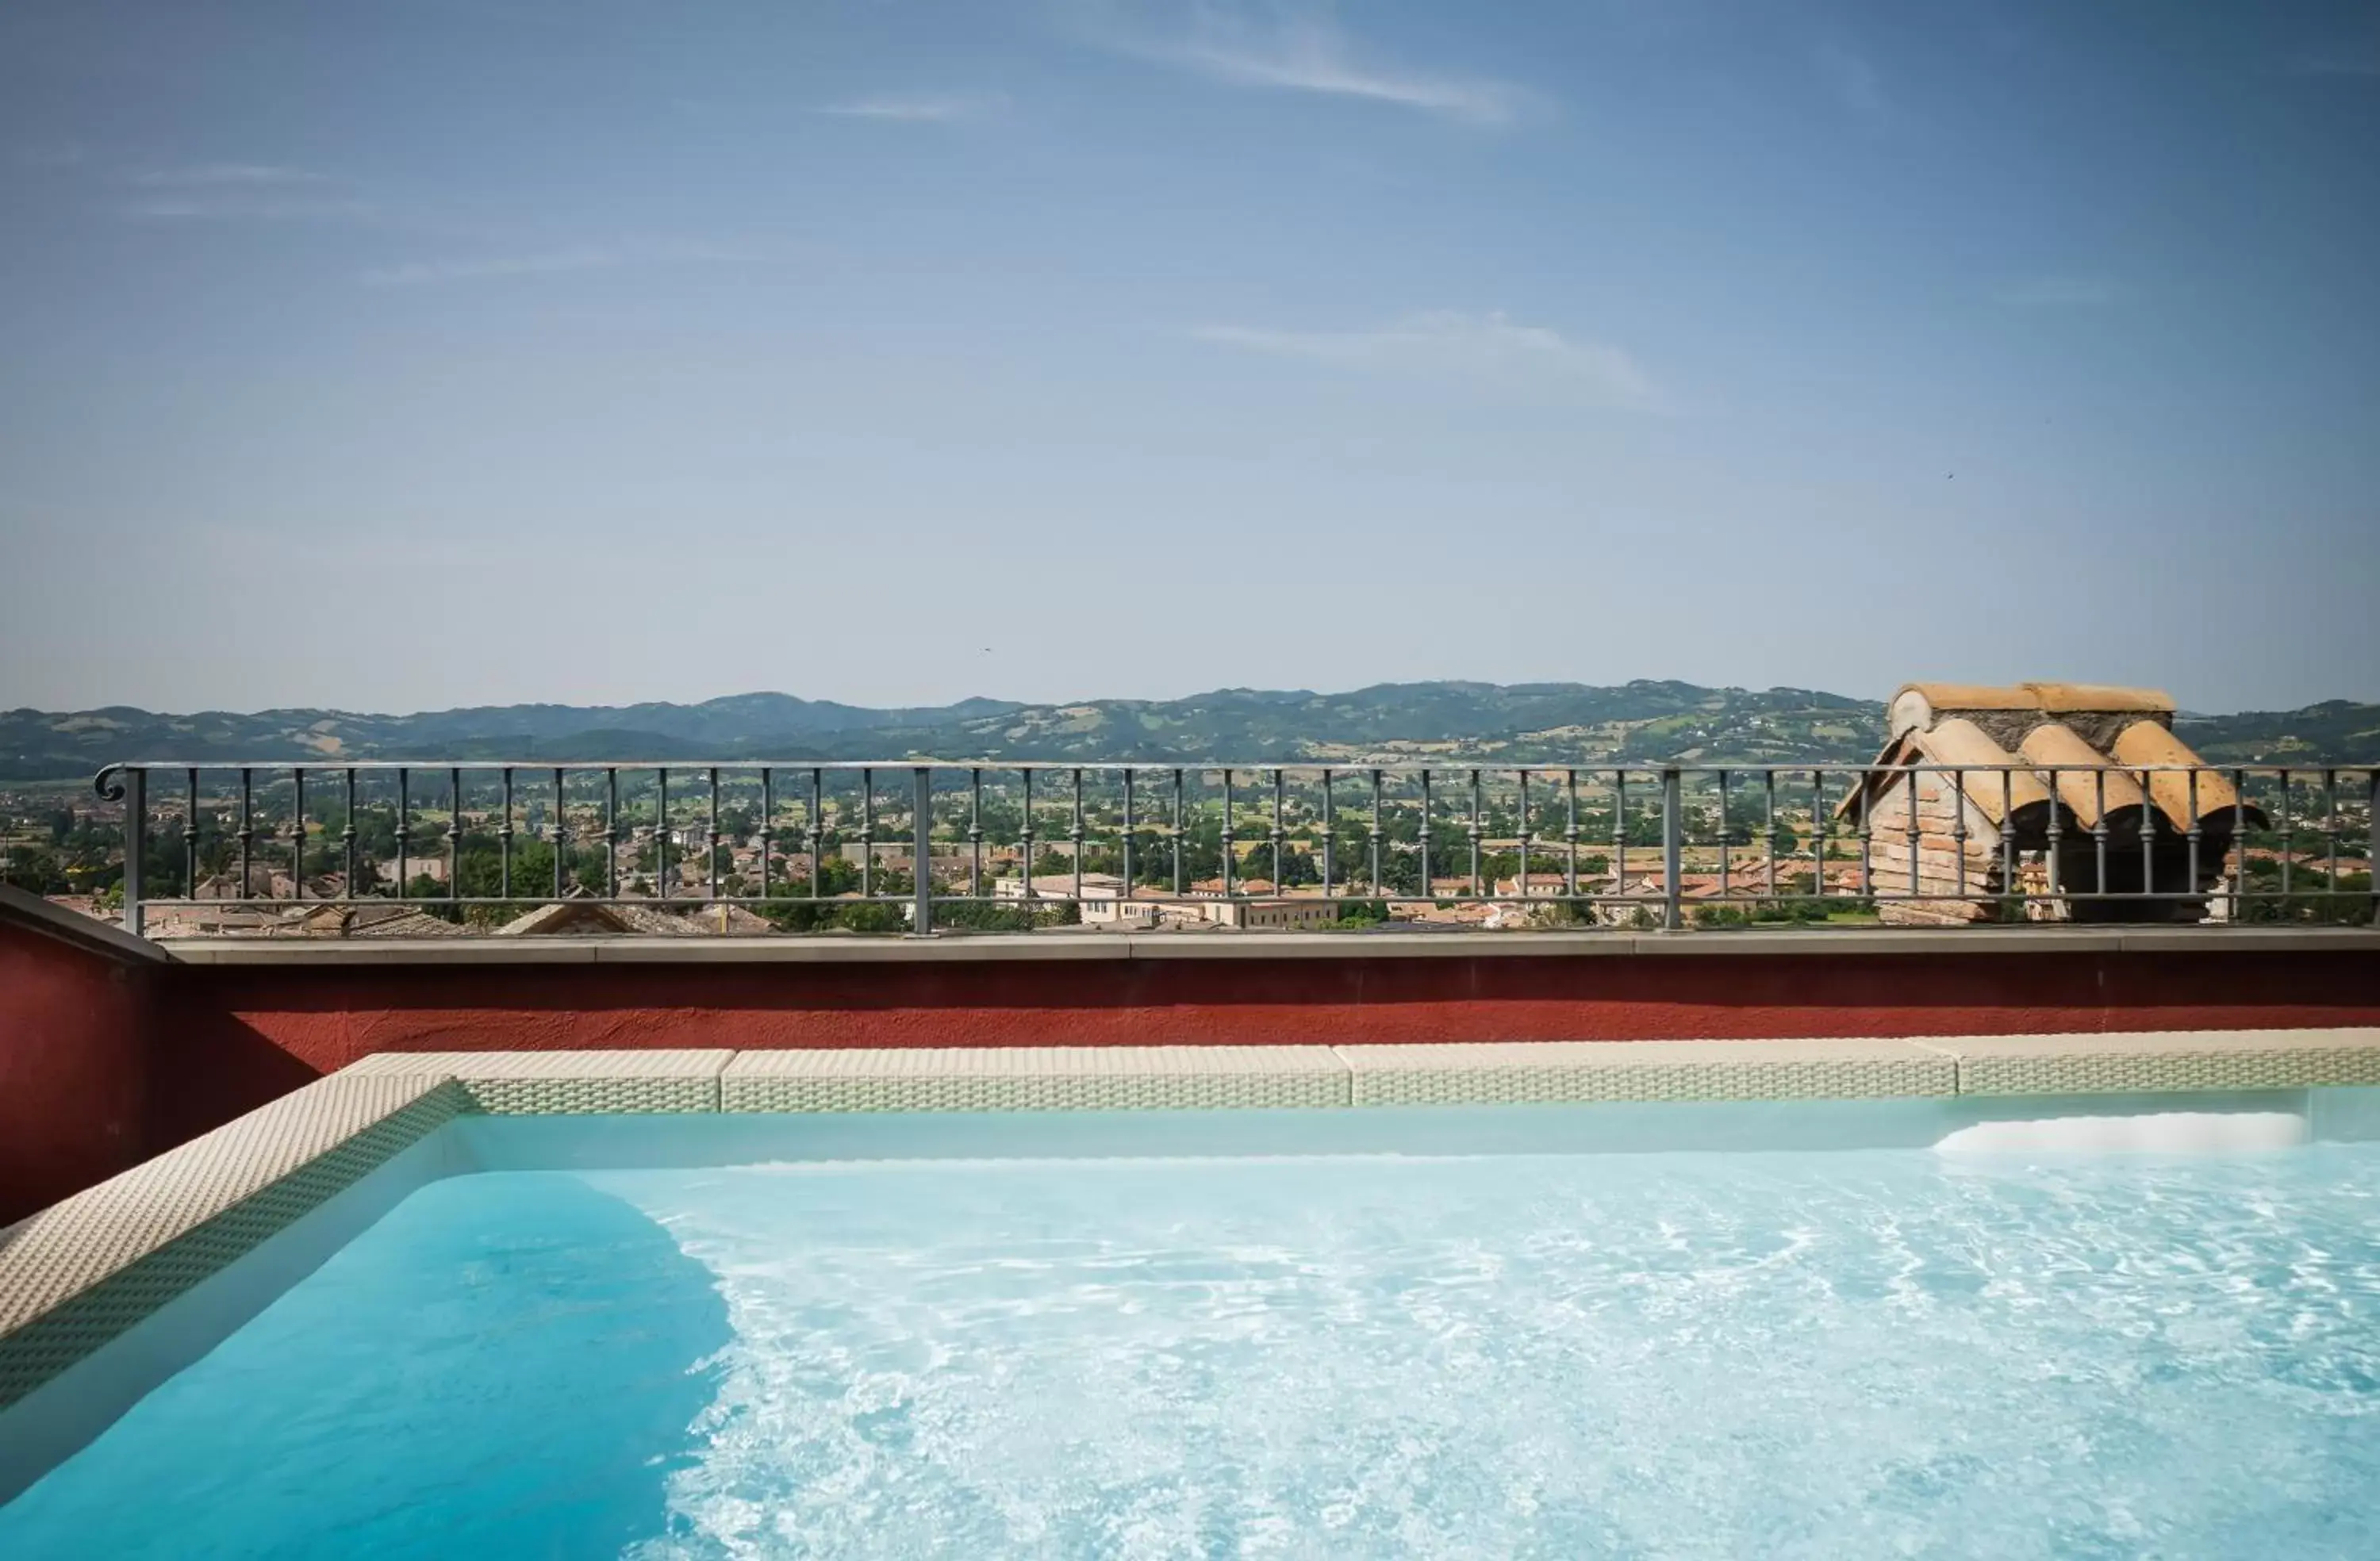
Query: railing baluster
column 1726, row 847
column 868, row 834
column 1769, row 835
column 1820, row 825
column 561, row 831
column 1025, row 839
column 921, row 851
column 1916, row 778
column 1570, row 832
column 1674, row 830
column 136, row 846
column 190, row 834
column 505, row 839
column 299, row 831
column 2289, row 849
column 2195, row 834
column 1959, row 825
column 2148, row 839
column 1868, row 846
column 1471, row 832
column 1330, row 830
column 1177, row 834
column 975, row 832
column 455, row 837
column 1521, row 880
column 2007, row 834
column 1279, row 837
column 1077, row 839
column 1428, row 889
column 818, row 833
column 711, row 835
column 2239, row 846
column 2330, row 827
column 1619, row 831
column 1123, row 853
column 2053, row 859
column 1378, row 889
column 663, row 869
column 2372, row 838
column 248, row 834
column 767, row 827
column 1372, row 846
column 1229, row 861
column 404, row 825
column 347, row 835
column 2099, row 827
column 612, row 831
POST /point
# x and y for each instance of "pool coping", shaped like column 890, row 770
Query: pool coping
column 78, row 1273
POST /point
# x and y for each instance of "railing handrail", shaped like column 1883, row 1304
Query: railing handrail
column 1336, row 767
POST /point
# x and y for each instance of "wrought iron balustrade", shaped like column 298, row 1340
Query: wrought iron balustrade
column 935, row 845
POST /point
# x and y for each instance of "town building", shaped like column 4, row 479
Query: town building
column 2078, row 797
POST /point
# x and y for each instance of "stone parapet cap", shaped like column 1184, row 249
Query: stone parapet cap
column 1858, row 942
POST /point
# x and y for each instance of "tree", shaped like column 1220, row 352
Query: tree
column 870, row 916
column 35, row 870
column 976, row 916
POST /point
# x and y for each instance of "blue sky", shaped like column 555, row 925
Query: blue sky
column 408, row 356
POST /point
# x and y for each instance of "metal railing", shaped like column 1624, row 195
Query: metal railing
column 925, row 846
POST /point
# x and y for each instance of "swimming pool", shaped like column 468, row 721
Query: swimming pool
column 1097, row 1339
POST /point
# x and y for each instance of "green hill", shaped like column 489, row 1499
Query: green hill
column 1538, row 723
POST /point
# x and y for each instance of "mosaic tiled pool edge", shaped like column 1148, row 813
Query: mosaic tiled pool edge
column 79, row 1274
column 574, row 1083
column 82, row 1272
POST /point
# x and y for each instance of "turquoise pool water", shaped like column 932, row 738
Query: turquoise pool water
column 1859, row 1353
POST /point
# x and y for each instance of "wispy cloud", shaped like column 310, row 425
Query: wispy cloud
column 225, row 176
column 1854, row 82
column 2061, row 292
column 212, row 205
column 1447, row 344
column 553, row 262
column 926, row 110
column 422, row 273
column 1304, row 50
column 227, row 193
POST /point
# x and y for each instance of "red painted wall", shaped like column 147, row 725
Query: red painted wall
column 246, row 1029
column 74, row 1070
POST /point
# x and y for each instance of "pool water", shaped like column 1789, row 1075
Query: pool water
column 1856, row 1353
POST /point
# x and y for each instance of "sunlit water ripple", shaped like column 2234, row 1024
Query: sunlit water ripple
column 1861, row 1353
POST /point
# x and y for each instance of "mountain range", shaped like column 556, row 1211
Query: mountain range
column 1545, row 722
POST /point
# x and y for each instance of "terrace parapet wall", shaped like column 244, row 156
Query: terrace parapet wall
column 117, row 1049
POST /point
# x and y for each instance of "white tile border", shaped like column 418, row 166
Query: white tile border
column 1037, row 1078
column 568, row 1083
column 82, row 1271
column 1532, row 1072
